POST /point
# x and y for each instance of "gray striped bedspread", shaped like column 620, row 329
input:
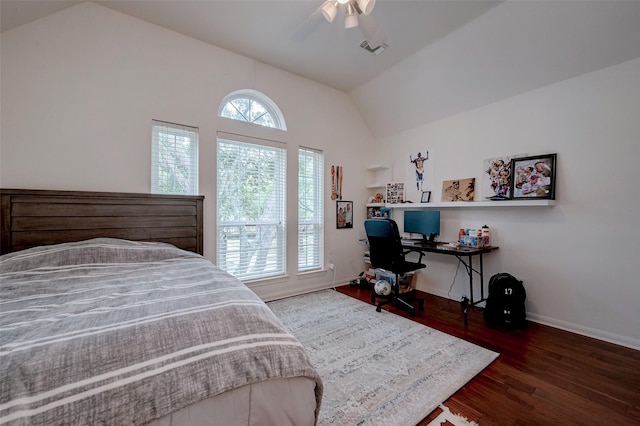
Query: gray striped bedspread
column 117, row 332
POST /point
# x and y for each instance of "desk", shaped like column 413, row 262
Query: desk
column 461, row 253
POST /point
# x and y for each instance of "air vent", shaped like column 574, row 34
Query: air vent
column 378, row 50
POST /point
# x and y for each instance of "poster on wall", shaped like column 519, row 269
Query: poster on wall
column 496, row 179
column 458, row 189
column 419, row 176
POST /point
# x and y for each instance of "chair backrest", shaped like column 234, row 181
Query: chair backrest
column 385, row 245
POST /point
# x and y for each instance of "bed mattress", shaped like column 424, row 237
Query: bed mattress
column 120, row 332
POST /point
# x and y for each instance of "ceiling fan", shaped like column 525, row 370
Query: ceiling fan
column 357, row 13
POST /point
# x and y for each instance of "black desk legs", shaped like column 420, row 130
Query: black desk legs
column 467, row 303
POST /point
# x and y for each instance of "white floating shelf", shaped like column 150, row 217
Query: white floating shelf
column 376, row 185
column 377, row 168
column 475, row 204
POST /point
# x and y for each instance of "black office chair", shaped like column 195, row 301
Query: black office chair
column 386, row 252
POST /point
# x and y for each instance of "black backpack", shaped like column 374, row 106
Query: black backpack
column 505, row 303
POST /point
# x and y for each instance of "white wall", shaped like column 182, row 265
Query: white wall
column 80, row 88
column 577, row 258
column 79, row 91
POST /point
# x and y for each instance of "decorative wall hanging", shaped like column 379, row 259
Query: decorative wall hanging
column 458, row 190
column 419, row 176
column 418, row 162
column 336, row 182
column 534, row 177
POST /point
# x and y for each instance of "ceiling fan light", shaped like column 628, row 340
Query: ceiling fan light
column 366, row 6
column 330, row 10
column 351, row 20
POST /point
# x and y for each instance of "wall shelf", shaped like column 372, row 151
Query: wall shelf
column 379, row 175
column 474, row 204
column 377, row 168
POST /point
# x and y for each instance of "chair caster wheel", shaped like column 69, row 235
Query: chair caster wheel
column 379, row 309
column 421, row 305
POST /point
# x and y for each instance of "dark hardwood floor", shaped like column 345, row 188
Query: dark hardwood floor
column 543, row 376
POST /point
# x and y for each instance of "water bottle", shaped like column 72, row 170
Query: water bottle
column 486, row 234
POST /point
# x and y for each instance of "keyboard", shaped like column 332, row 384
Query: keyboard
column 409, row 242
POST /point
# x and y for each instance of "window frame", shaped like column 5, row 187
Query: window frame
column 247, row 255
column 254, row 96
column 175, row 131
column 311, row 255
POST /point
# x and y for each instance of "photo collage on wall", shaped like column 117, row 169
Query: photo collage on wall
column 395, row 193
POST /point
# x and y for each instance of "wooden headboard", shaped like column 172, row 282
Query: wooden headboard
column 32, row 218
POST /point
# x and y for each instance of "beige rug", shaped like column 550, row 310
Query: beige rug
column 377, row 368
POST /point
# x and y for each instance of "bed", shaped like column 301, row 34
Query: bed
column 137, row 329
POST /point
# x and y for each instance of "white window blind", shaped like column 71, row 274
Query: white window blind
column 251, row 189
column 310, row 210
column 174, row 158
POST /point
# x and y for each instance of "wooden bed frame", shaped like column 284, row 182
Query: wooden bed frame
column 32, row 218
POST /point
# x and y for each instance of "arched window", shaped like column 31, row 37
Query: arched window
column 252, row 106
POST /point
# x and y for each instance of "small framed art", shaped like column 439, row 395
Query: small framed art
column 426, row 196
column 534, row 177
column 395, row 192
column 344, row 214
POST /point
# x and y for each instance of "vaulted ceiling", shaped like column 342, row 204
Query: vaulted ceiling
column 455, row 54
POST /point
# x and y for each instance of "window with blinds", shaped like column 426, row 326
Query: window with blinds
column 310, row 210
column 174, row 158
column 251, row 190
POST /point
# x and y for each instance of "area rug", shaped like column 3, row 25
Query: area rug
column 377, row 368
column 447, row 418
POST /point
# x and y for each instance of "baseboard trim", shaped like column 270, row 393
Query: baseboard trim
column 586, row 331
column 567, row 326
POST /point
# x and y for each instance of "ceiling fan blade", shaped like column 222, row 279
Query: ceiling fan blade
column 310, row 24
column 373, row 33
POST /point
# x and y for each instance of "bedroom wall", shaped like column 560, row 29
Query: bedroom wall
column 79, row 91
column 577, row 258
column 80, row 88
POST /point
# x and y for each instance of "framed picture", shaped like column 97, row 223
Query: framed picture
column 534, row 177
column 373, row 212
column 395, row 193
column 458, row 189
column 385, row 213
column 496, row 179
column 344, row 214
column 426, row 196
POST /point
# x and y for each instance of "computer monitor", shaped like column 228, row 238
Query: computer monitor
column 424, row 222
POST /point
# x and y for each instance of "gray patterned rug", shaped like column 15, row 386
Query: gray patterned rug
column 377, row 368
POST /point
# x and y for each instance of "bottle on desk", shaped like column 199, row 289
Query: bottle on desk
column 486, row 234
column 461, row 234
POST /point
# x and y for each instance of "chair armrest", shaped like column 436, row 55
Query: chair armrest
column 416, row 251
